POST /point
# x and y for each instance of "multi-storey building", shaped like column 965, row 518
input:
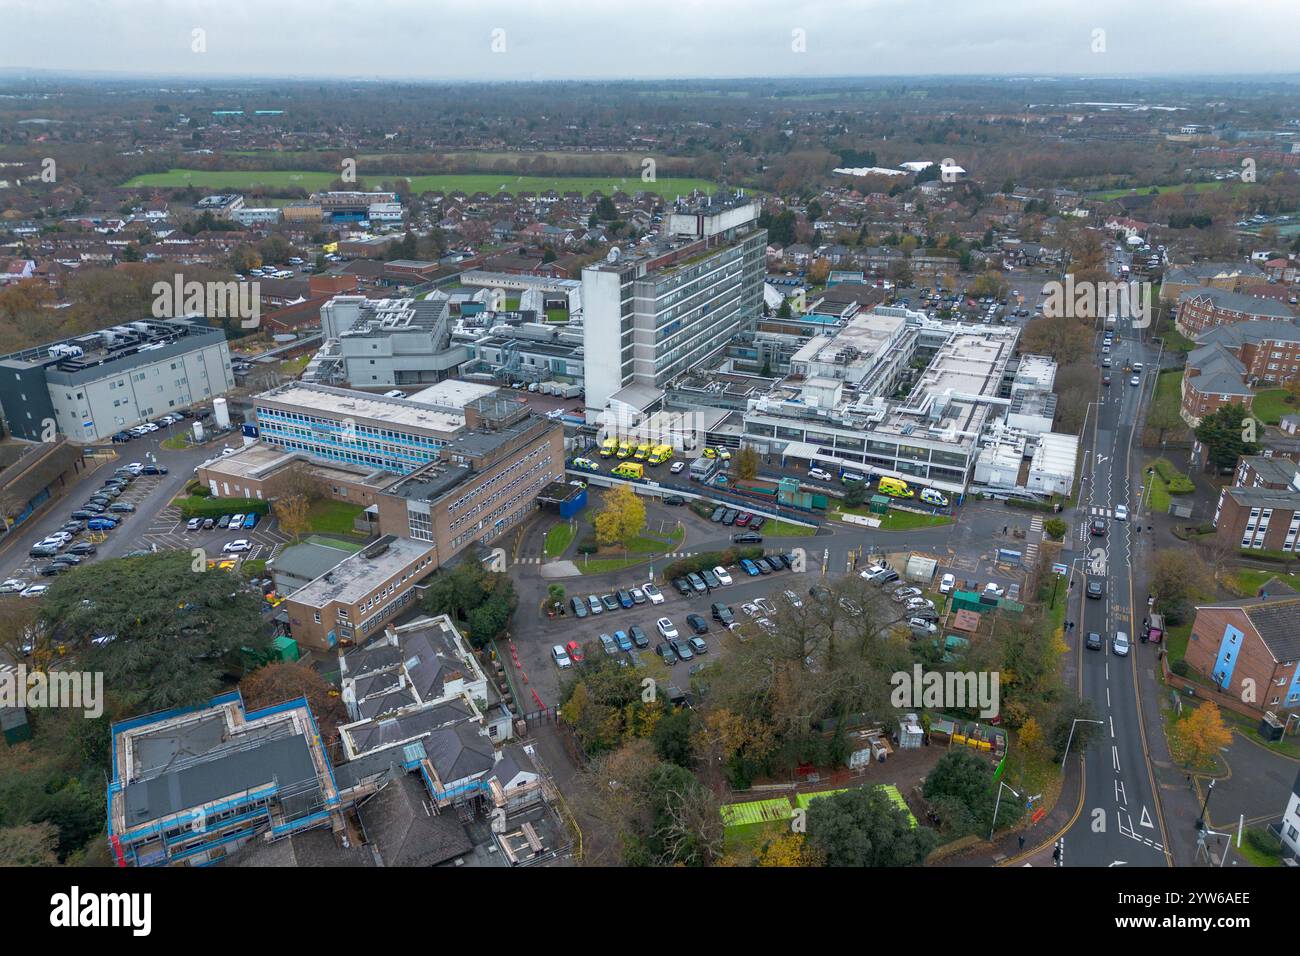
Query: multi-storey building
column 1250, row 650
column 1260, row 519
column 372, row 342
column 657, row 313
column 1200, row 310
column 91, row 386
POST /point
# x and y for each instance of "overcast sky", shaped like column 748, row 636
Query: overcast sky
column 560, row 39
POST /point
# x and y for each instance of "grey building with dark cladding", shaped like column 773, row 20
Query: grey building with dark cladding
column 91, row 386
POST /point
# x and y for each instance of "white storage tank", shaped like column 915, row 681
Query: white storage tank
column 220, row 413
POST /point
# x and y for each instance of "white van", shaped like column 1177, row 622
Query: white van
column 932, row 497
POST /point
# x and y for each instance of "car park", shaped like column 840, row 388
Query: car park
column 697, row 624
column 653, row 593
column 579, row 607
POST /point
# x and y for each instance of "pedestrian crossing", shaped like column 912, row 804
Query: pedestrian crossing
column 1096, row 512
column 528, row 561
column 1031, row 541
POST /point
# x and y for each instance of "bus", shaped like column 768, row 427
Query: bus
column 896, row 488
column 608, row 447
column 629, row 469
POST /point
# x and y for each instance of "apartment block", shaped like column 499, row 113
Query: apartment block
column 1258, row 518
column 1250, row 650
column 1200, row 310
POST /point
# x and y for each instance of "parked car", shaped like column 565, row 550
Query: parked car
column 209, row 524
column 638, row 636
column 236, row 546
column 624, row 642
column 83, row 548
column 666, row 628
column 792, row 599
column 698, row 645
column 718, row 513
column 593, row 603
column 12, row 586
column 102, row 524
column 947, row 583
column 674, row 499
column 697, row 623
column 250, row 521
column 610, row 601
column 665, row 651
column 1120, row 644
column 696, row 582
column 574, row 650
column 608, row 645
column 653, row 593
column 820, row 474
column 682, row 649
column 722, row 614
column 121, row 507
column 683, row 586
column 723, row 577
column 624, row 598
column 35, row 590
column 560, row 657
column 710, row 579
column 194, row 524
column 756, row 522
column 762, row 565
column 677, row 467
column 749, row 567
column 638, row 596
column 747, row 537
column 579, row 607
column 224, row 521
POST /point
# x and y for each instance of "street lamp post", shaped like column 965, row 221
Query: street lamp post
column 998, row 803
column 1205, row 806
column 1070, row 739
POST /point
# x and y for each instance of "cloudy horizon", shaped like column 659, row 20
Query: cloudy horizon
column 532, row 40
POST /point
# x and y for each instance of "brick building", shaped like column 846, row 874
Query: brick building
column 1259, row 519
column 1275, row 472
column 1200, row 310
column 1250, row 649
column 1233, row 360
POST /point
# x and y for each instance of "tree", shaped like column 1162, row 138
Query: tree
column 1055, row 528
column 288, row 680
column 1179, row 576
column 292, row 513
column 1084, row 732
column 746, row 463
column 788, row 850
column 863, row 827
column 1198, row 737
column 784, row 311
column 855, row 493
column 171, row 615
column 622, row 518
column 1064, row 338
column 1227, row 435
column 32, row 844
column 819, row 272
column 962, row 791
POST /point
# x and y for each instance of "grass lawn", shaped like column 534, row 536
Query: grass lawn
column 1253, row 855
column 1269, row 406
column 907, row 520
column 1246, row 582
column 176, row 443
column 1249, row 727
column 557, row 539
column 333, row 517
column 668, row 187
column 1158, row 498
column 785, row 529
column 1176, row 639
column 292, row 368
column 1106, row 194
column 1175, row 341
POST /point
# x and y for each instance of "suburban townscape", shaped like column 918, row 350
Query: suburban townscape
column 823, row 470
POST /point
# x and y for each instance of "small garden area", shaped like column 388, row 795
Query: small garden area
column 333, row 517
column 1270, row 405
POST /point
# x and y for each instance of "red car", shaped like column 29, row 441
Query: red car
column 742, row 519
column 575, row 652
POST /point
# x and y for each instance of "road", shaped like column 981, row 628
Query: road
column 1121, row 821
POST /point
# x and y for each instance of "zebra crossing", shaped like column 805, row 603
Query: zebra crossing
column 1032, row 539
column 1096, row 512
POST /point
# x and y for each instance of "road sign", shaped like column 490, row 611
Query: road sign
column 1060, row 569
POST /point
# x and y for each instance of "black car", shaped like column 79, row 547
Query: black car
column 50, row 570
column 1096, row 588
column 756, row 522
column 747, row 537
column 225, row 521
column 122, row 437
column 71, row 560
column 683, row 586
column 638, row 636
column 729, row 516
column 780, row 561
column 209, row 524
column 674, row 500
column 154, row 470
column 718, row 513
column 1094, row 641
column 1097, row 526
column 819, row 592
column 83, row 548
column 82, row 514
column 73, row 527
column 42, row 551
column 697, row 624
column 722, row 613
column 94, row 507
column 104, row 500
column 665, row 650
column 710, row 579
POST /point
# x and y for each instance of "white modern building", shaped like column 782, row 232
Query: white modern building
column 656, row 312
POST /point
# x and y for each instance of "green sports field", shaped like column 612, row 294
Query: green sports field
column 469, row 183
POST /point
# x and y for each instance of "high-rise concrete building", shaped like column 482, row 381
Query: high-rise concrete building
column 654, row 313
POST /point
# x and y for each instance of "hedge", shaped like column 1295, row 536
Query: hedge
column 711, row 559
column 216, row 507
column 1175, row 481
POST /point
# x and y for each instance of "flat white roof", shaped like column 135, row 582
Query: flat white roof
column 346, row 403
column 452, row 393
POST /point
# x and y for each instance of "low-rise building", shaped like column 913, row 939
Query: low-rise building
column 1260, row 519
column 1250, row 649
column 1200, row 310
